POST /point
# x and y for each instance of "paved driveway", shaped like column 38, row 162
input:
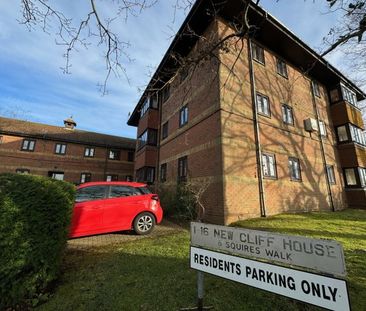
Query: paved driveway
column 98, row 242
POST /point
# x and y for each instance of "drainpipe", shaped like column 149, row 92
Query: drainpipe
column 322, row 148
column 256, row 131
column 160, row 107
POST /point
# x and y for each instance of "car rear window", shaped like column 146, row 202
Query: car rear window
column 122, row 191
column 90, row 193
column 144, row 190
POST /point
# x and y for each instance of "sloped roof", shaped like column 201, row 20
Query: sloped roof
column 271, row 34
column 62, row 134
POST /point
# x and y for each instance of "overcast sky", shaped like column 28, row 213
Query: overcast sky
column 33, row 87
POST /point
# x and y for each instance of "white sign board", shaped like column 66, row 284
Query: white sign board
column 326, row 292
column 321, row 255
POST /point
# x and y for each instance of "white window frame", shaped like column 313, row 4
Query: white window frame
column 281, row 68
column 269, row 165
column 60, row 148
column 183, row 116
column 258, row 53
column 330, row 174
column 316, row 88
column 350, row 177
column 322, row 128
column 295, row 169
column 263, row 106
column 28, row 144
column 287, row 114
column 89, row 152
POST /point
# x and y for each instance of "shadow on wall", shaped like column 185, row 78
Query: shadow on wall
column 281, row 194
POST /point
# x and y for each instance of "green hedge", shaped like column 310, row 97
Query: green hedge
column 35, row 214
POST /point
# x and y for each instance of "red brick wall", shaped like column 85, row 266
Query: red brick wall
column 219, row 139
column 43, row 159
column 241, row 183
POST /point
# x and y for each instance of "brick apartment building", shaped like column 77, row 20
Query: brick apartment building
column 268, row 123
column 64, row 152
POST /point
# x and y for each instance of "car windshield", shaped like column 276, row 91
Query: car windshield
column 144, row 190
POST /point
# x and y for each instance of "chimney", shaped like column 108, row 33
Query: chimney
column 69, row 123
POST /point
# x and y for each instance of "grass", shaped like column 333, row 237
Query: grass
column 154, row 273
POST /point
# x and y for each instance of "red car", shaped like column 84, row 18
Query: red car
column 102, row 207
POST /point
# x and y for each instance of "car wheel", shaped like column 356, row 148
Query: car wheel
column 144, row 223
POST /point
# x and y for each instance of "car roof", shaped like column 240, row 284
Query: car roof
column 111, row 183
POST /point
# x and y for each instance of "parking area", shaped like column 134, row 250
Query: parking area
column 101, row 241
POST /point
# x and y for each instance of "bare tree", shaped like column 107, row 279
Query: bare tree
column 74, row 34
column 349, row 37
column 352, row 27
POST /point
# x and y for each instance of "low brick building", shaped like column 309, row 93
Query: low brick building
column 64, row 152
column 268, row 123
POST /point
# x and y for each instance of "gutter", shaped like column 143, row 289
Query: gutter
column 258, row 150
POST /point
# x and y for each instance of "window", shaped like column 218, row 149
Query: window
column 287, row 116
column 163, row 169
column 111, row 177
column 28, row 144
column 355, row 177
column 258, row 53
column 145, row 107
column 56, row 175
column 263, row 105
column 183, row 116
column 60, row 148
column 149, row 137
column 357, row 134
column 89, row 152
column 91, row 193
column 129, row 178
column 150, row 174
column 123, row 191
column 315, row 87
column 130, row 156
column 349, row 96
column 349, row 132
column 22, row 171
column 350, row 176
column 342, row 133
column 330, row 174
column 362, row 173
column 294, row 166
column 165, row 93
column 85, row 177
column 165, row 130
column 113, row 154
column 322, row 129
column 150, row 102
column 182, row 169
column 146, row 174
column 269, row 165
column 281, row 68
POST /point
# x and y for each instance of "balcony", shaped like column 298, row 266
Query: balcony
column 344, row 107
column 356, row 198
column 351, row 155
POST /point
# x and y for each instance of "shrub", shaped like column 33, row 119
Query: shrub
column 35, row 213
column 178, row 202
